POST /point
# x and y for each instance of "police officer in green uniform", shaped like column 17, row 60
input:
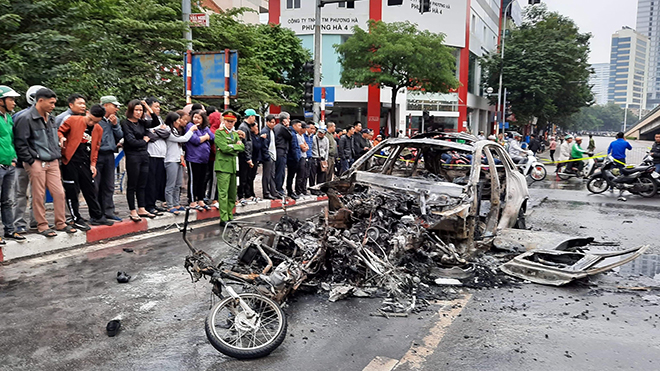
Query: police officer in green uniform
column 228, row 144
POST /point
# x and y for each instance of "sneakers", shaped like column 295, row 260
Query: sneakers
column 216, row 205
column 113, row 217
column 103, row 221
column 15, row 236
column 80, row 224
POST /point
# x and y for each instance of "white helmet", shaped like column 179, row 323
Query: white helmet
column 31, row 92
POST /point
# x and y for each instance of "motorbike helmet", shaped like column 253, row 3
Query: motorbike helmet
column 31, row 92
column 568, row 136
column 7, row 92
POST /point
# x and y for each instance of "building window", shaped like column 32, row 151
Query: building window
column 474, row 23
column 293, row 4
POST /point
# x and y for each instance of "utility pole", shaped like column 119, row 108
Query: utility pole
column 186, row 9
column 317, row 56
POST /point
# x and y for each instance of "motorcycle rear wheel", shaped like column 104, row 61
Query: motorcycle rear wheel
column 538, row 173
column 650, row 188
column 597, row 185
column 232, row 332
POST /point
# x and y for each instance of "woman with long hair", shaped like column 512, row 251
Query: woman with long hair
column 176, row 122
column 137, row 158
column 198, row 150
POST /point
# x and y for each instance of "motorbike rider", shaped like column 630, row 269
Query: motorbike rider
column 515, row 151
column 565, row 151
column 655, row 153
column 577, row 153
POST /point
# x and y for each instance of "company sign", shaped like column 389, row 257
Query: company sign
column 199, row 20
column 445, row 16
column 335, row 19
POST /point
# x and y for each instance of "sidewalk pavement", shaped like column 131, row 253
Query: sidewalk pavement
column 37, row 244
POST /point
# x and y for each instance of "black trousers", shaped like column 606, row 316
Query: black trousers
column 105, row 182
column 313, row 167
column 280, row 169
column 155, row 182
column 196, row 181
column 246, row 176
column 77, row 177
column 291, row 171
column 137, row 172
column 211, row 186
column 301, row 176
column 268, row 179
column 320, row 176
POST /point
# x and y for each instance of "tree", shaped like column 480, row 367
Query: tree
column 397, row 55
column 600, row 118
column 545, row 68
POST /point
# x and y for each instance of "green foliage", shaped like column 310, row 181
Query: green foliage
column 127, row 48
column 600, row 118
column 397, row 55
column 545, row 70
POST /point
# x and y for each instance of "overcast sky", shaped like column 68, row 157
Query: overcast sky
column 599, row 17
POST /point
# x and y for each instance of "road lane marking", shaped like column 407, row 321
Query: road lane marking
column 417, row 354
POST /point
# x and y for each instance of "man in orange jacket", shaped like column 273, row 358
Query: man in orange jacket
column 80, row 139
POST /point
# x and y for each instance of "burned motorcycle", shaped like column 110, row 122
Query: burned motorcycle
column 242, row 325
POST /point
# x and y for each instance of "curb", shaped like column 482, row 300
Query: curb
column 40, row 245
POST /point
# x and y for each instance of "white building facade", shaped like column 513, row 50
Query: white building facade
column 629, row 60
column 472, row 32
column 599, row 81
column 648, row 24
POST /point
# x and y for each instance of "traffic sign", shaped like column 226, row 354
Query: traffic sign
column 199, row 20
column 208, row 74
column 329, row 95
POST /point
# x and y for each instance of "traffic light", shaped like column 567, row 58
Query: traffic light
column 425, row 6
column 507, row 110
column 308, row 96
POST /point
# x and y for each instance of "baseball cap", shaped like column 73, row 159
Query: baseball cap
column 250, row 112
column 110, row 99
column 322, row 130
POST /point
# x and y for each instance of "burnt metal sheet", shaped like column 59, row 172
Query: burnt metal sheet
column 557, row 268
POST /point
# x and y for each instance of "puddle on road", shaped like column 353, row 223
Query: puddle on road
column 647, row 265
column 571, row 184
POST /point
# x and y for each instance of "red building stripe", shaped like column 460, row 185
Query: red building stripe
column 274, row 11
column 373, row 97
column 463, row 75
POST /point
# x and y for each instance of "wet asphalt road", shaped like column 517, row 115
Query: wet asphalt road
column 54, row 308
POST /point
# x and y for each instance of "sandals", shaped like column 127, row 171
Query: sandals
column 68, row 229
column 134, row 218
column 174, row 211
column 147, row 215
column 48, row 233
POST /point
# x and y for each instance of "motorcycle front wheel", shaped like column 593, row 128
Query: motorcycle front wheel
column 538, row 173
column 597, row 185
column 233, row 332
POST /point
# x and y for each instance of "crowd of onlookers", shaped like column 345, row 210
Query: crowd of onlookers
column 78, row 152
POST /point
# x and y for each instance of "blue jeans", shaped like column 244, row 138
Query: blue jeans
column 657, row 168
column 7, row 174
column 345, row 165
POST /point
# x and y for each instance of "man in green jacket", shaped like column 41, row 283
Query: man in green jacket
column 577, row 152
column 228, row 144
column 7, row 162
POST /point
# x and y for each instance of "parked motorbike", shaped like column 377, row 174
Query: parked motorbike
column 641, row 180
column 569, row 170
column 532, row 167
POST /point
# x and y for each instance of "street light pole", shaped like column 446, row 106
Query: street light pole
column 500, row 111
column 186, row 9
column 317, row 55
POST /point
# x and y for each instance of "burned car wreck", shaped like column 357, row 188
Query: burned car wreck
column 409, row 217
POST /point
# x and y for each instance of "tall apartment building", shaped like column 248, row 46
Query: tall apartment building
column 649, row 26
column 599, row 82
column 628, row 68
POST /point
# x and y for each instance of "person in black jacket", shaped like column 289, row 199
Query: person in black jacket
column 346, row 154
column 360, row 144
column 268, row 158
column 245, row 163
column 137, row 158
column 282, row 144
column 655, row 153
